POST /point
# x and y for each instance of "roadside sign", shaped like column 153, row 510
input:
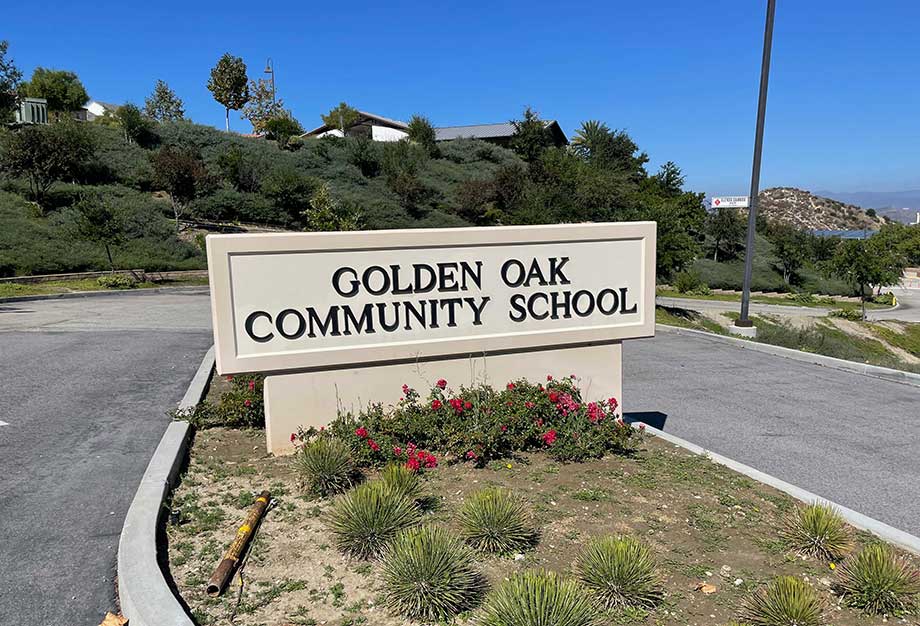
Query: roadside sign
column 731, row 202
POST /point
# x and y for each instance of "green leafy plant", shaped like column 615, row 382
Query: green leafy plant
column 241, row 406
column 539, row 598
column 117, row 281
column 817, row 530
column 620, row 572
column 428, row 575
column 496, row 521
column 365, row 519
column 787, row 601
column 325, row 466
column 878, row 582
column 401, row 480
column 848, row 314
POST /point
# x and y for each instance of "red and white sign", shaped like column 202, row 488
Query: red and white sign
column 731, row 202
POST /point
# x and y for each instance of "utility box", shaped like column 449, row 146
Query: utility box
column 32, row 111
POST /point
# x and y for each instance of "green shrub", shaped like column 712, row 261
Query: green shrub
column 539, row 598
column 817, row 530
column 854, row 315
column 496, row 521
column 886, row 298
column 401, row 480
column 428, row 576
column 690, row 282
column 117, row 281
column 620, row 571
column 325, row 466
column 787, row 601
column 366, row 518
column 241, row 406
column 878, row 582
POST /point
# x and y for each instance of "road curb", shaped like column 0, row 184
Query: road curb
column 864, row 522
column 190, row 289
column 875, row 371
column 145, row 597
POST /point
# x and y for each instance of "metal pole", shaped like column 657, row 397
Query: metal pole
column 744, row 321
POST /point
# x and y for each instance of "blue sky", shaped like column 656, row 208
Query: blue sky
column 680, row 76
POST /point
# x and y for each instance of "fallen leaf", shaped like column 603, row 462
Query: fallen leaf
column 114, row 620
column 706, row 588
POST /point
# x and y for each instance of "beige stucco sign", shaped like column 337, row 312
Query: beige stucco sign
column 324, row 303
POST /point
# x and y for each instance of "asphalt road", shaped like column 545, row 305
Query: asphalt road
column 847, row 437
column 84, row 405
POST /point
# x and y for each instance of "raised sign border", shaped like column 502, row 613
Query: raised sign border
column 221, row 247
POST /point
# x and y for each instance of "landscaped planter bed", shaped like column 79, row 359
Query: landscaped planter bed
column 713, row 533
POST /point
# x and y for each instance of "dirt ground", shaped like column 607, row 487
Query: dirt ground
column 704, row 522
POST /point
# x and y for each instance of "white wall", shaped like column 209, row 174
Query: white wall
column 384, row 133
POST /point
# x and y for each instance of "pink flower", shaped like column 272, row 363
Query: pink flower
column 247, row 403
column 641, row 426
column 467, row 405
column 553, row 397
column 470, row 454
column 572, row 376
column 373, row 445
column 457, row 404
column 510, row 386
column 442, row 384
column 529, row 404
column 361, row 431
column 229, row 379
column 613, row 404
column 293, row 437
column 397, row 451
column 406, row 390
column 413, row 464
column 539, row 422
column 504, row 428
column 252, row 385
column 436, row 404
column 549, row 377
column 549, row 437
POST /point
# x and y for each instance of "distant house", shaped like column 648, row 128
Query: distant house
column 31, row 111
column 94, row 109
column 499, row 134
column 376, row 127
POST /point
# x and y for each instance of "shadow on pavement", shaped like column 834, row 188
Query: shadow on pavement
column 655, row 419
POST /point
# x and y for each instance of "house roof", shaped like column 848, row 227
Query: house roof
column 365, row 117
column 493, row 131
column 105, row 105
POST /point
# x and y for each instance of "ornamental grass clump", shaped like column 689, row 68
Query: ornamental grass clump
column 787, row 601
column 428, row 575
column 620, row 572
column 539, row 598
column 496, row 521
column 878, row 582
column 325, row 466
column 401, row 480
column 817, row 530
column 362, row 521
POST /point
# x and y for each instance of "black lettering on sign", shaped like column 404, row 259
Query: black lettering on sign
column 337, row 282
column 517, row 313
column 623, row 309
column 516, row 266
column 299, row 329
column 250, row 322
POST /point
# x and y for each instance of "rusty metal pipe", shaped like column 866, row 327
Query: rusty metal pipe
column 228, row 563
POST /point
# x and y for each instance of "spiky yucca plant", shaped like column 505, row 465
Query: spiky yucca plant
column 401, row 480
column 539, row 598
column 495, row 520
column 620, row 572
column 879, row 582
column 363, row 520
column 325, row 466
column 787, row 601
column 817, row 530
column 428, row 575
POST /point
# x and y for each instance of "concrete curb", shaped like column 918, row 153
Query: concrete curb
column 875, row 371
column 864, row 522
column 145, row 597
column 191, row 289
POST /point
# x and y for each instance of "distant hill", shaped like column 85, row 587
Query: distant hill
column 806, row 210
column 901, row 206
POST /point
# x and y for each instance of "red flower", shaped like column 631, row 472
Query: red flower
column 553, row 397
column 467, row 405
column 549, row 437
column 539, row 422
column 504, row 428
column 406, row 390
column 529, row 404
column 509, row 403
column 457, row 404
column 641, row 426
column 361, row 431
column 436, row 404
column 247, row 403
column 229, row 379
column 572, row 376
column 470, row 454
column 510, row 386
column 413, row 464
column 397, row 451
column 293, row 437
column 613, row 404
column 252, row 385
column 442, row 384
column 373, row 445
column 549, row 377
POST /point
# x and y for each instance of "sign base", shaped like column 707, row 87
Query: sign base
column 315, row 398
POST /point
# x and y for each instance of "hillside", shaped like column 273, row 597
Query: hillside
column 803, row 209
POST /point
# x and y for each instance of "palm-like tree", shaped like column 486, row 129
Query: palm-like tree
column 590, row 137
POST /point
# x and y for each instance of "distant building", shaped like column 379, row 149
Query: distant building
column 376, row 127
column 94, row 109
column 499, row 134
column 31, row 111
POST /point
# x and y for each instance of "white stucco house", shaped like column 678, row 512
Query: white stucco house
column 94, row 109
column 376, row 127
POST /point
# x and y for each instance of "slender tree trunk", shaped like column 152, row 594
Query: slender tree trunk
column 108, row 253
column 862, row 298
column 227, row 120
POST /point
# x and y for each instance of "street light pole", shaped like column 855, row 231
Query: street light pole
column 270, row 69
column 744, row 321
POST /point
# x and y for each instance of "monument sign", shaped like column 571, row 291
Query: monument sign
column 339, row 320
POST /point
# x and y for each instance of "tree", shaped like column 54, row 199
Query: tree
column 163, row 105
column 236, row 169
column 62, row 89
column 422, row 132
column 611, row 149
column 262, row 105
column 229, row 84
column 727, row 230
column 341, row 117
column 100, row 222
column 9, row 83
column 290, row 189
column 790, row 245
column 45, row 154
column 182, row 174
column 134, row 125
column 282, row 128
column 864, row 263
column 326, row 214
column 669, row 179
column 531, row 136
